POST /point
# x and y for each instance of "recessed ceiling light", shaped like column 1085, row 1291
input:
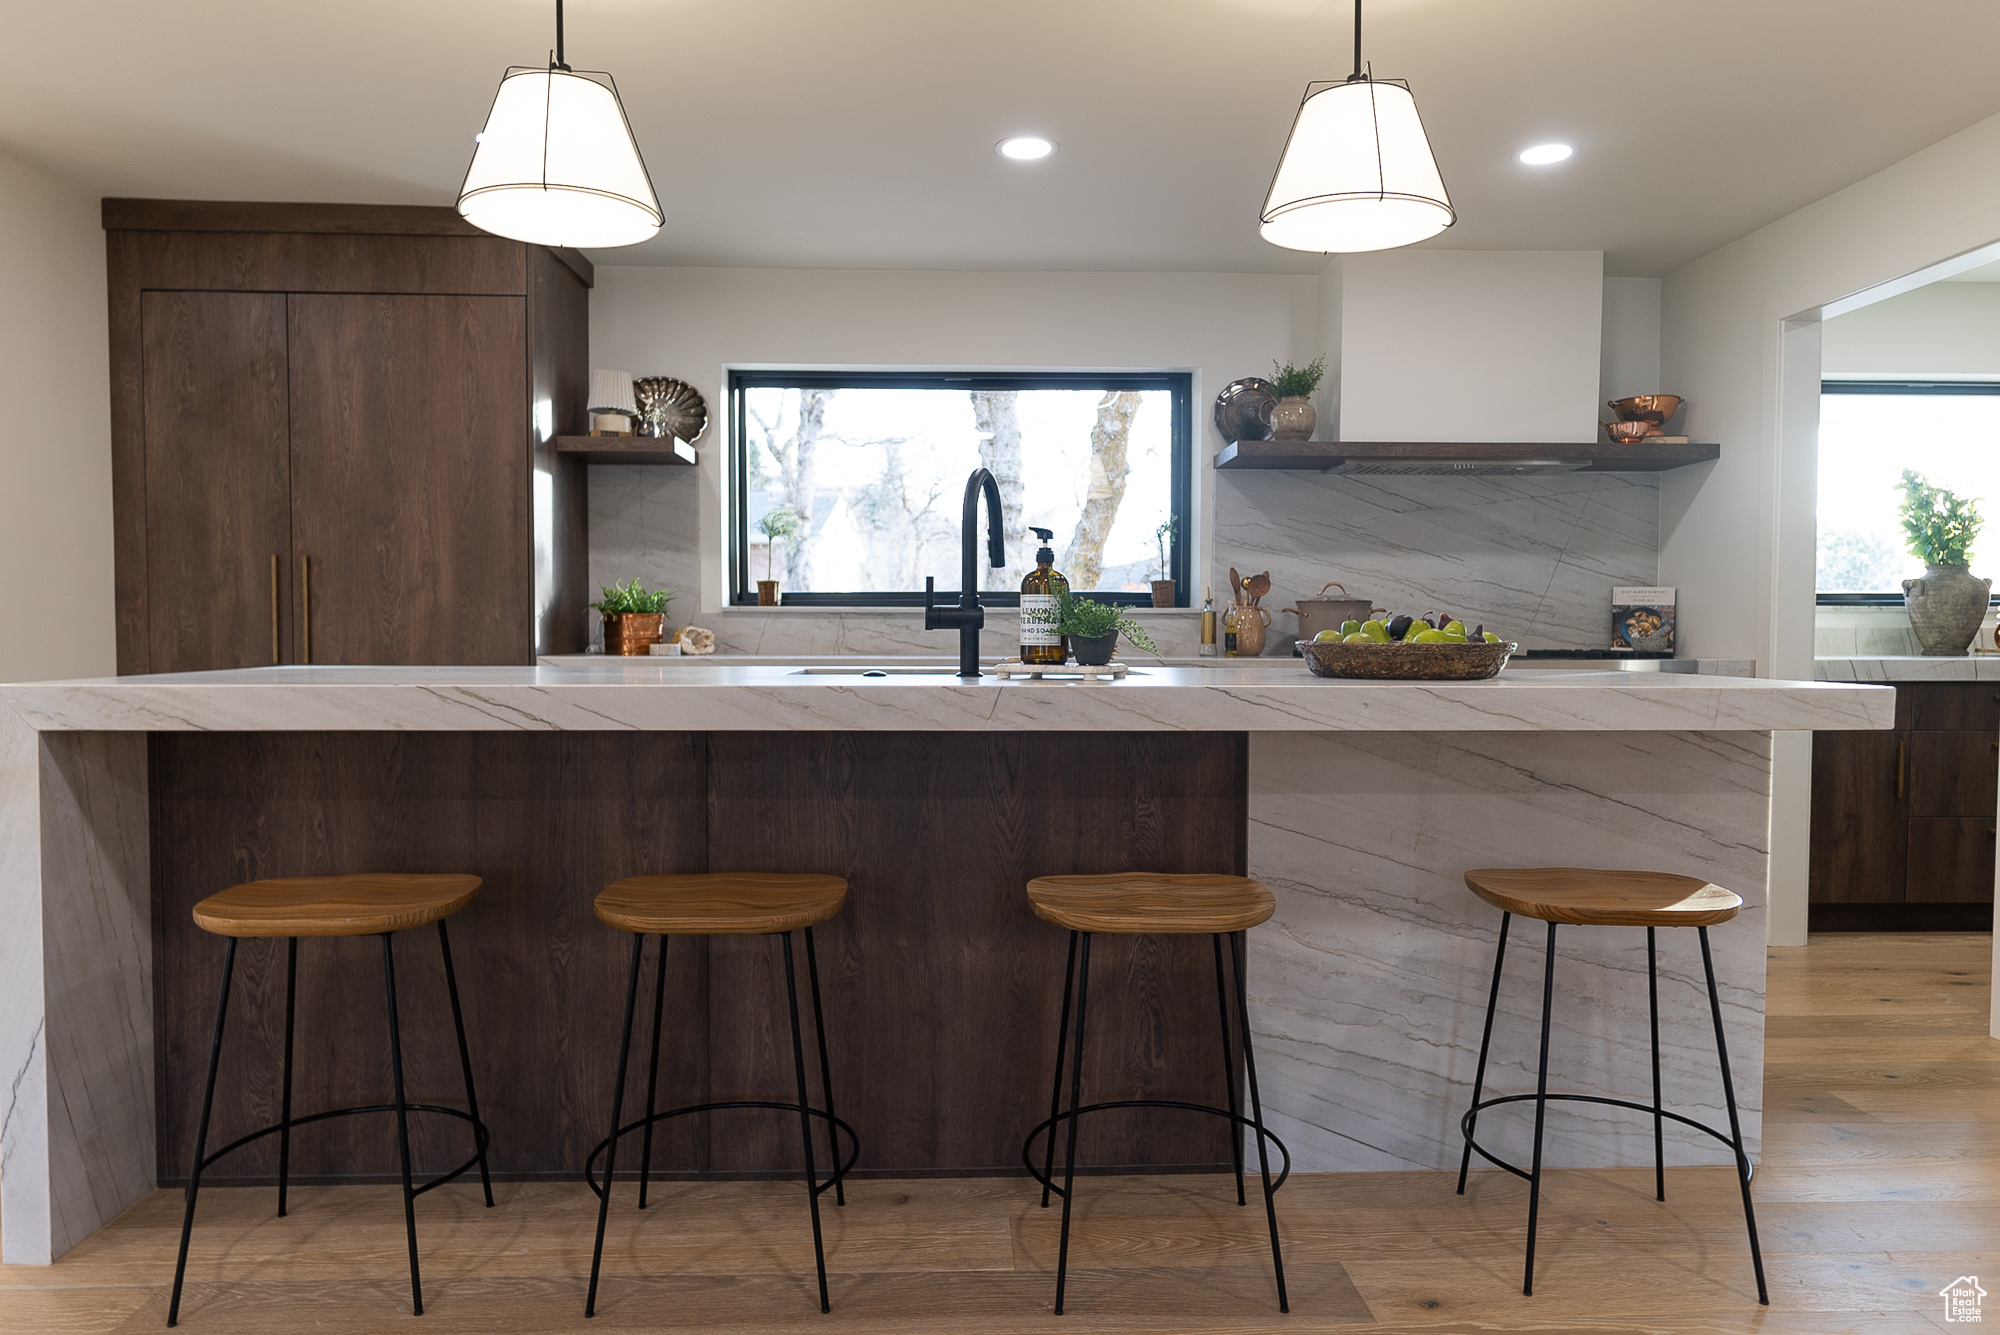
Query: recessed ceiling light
column 1025, row 147
column 1541, row 155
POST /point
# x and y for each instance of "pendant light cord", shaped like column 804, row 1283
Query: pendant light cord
column 1350, row 78
column 556, row 62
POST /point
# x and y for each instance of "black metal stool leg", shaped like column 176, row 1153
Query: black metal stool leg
column 1659, row 1126
column 1228, row 1067
column 1735, row 1126
column 1541, row 1110
column 825, row 1070
column 402, row 1122
column 1239, row 951
column 285, row 1099
column 1485, row 1045
column 1075, row 1103
column 464, row 1058
column 653, row 1074
column 805, row 1118
column 1055, row 1092
column 201, row 1135
column 617, row 1110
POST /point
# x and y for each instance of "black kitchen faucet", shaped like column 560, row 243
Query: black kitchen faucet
column 970, row 615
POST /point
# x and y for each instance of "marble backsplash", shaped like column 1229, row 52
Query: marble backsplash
column 1534, row 558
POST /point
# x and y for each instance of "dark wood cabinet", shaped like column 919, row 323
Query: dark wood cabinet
column 1903, row 821
column 334, row 437
column 217, row 523
column 409, row 479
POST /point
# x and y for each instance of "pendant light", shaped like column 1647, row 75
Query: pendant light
column 1357, row 172
column 557, row 164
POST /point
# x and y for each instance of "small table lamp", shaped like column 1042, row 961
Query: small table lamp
column 612, row 407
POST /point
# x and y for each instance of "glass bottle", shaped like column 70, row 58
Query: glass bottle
column 1040, row 590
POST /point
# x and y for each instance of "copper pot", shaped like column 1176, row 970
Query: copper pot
column 633, row 632
column 1323, row 613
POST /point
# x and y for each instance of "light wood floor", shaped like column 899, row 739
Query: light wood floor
column 1880, row 1184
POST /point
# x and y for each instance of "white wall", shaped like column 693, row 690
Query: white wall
column 55, row 431
column 1631, row 360
column 1471, row 345
column 692, row 323
column 1949, row 329
column 1737, row 535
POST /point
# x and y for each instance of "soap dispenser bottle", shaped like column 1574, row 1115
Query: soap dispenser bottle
column 1040, row 642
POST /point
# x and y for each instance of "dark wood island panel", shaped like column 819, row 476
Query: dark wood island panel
column 942, row 988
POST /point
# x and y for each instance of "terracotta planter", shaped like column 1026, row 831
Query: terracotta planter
column 1163, row 593
column 1293, row 419
column 1946, row 607
column 633, row 632
column 767, row 593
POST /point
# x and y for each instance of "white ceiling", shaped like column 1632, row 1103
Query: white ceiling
column 860, row 132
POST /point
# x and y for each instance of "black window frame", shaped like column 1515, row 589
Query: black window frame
column 1178, row 384
column 1930, row 389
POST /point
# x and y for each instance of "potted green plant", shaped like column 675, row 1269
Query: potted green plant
column 779, row 524
column 1948, row 603
column 1163, row 587
column 1293, row 416
column 1093, row 629
column 634, row 617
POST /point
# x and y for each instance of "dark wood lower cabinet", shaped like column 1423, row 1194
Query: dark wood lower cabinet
column 942, row 988
column 1903, row 821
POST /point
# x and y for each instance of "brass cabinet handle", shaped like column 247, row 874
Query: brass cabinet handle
column 306, row 623
column 1902, row 768
column 274, row 608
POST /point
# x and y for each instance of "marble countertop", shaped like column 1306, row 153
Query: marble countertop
column 1908, row 667
column 640, row 695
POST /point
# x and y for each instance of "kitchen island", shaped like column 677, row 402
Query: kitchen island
column 1359, row 803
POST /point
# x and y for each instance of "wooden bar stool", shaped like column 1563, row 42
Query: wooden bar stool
column 1137, row 904
column 1605, row 899
column 379, row 904
column 722, row 904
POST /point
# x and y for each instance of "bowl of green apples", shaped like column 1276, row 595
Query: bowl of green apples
column 1433, row 647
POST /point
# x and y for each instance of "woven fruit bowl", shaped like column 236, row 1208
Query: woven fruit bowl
column 1407, row 662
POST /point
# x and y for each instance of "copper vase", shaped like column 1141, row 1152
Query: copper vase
column 633, row 632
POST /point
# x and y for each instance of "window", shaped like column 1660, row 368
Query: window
column 848, row 487
column 1869, row 432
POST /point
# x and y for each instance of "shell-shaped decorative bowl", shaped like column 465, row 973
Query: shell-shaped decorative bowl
column 1407, row 662
column 670, row 407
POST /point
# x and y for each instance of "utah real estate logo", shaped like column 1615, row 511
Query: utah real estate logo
column 1961, row 1299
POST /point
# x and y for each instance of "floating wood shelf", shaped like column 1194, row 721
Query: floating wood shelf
column 1471, row 459
column 626, row 449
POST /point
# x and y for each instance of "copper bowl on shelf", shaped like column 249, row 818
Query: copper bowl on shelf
column 1653, row 408
column 1628, row 433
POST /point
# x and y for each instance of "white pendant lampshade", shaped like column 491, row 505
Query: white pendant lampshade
column 557, row 165
column 1357, row 173
column 611, row 392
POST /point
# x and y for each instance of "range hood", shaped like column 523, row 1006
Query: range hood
column 1400, row 458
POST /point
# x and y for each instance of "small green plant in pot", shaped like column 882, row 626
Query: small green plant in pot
column 1163, row 584
column 1293, row 416
column 634, row 616
column 1948, row 603
column 1093, row 629
column 781, row 523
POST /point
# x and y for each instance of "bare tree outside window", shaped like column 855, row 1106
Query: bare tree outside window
column 855, row 489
